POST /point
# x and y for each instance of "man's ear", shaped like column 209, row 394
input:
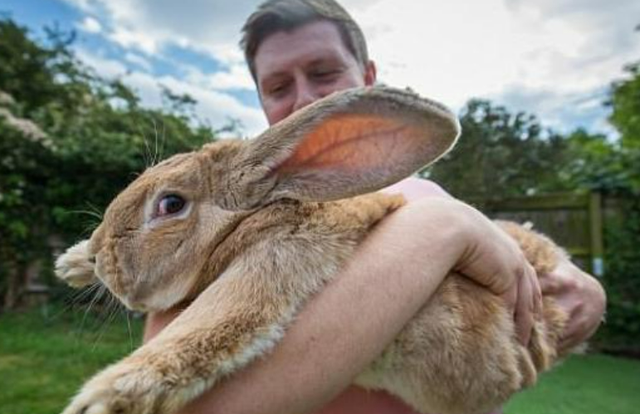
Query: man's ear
column 370, row 73
column 349, row 143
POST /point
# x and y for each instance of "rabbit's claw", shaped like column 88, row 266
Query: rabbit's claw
column 128, row 392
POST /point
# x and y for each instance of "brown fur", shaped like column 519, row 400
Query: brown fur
column 260, row 234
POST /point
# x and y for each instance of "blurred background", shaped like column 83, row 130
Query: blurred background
column 93, row 91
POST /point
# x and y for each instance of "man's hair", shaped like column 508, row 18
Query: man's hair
column 274, row 16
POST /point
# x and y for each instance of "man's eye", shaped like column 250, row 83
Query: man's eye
column 170, row 204
column 278, row 89
column 325, row 74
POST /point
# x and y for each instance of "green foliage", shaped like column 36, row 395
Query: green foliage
column 598, row 163
column 27, row 71
column 70, row 141
column 622, row 236
column 616, row 171
column 499, row 153
column 625, row 100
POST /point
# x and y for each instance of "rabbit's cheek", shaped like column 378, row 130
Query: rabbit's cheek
column 102, row 268
column 110, row 271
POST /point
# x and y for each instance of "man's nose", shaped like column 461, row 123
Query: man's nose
column 305, row 94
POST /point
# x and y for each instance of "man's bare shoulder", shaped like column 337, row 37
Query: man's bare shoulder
column 414, row 188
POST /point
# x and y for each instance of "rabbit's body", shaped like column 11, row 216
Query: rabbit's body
column 248, row 231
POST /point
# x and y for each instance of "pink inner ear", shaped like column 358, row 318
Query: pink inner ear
column 352, row 143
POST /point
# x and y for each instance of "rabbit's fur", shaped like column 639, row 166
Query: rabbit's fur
column 259, row 234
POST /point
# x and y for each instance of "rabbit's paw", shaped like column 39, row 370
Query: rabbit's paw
column 122, row 391
column 75, row 266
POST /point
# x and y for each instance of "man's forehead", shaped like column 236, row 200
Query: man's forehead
column 306, row 44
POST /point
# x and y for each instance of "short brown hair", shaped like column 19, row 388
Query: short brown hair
column 286, row 15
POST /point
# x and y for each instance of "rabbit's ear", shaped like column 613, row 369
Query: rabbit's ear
column 349, row 143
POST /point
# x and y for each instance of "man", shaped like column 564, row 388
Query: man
column 299, row 51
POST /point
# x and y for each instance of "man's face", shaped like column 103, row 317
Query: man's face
column 294, row 69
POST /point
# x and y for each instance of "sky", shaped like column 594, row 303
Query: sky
column 555, row 59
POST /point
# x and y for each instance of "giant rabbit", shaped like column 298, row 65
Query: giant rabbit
column 253, row 228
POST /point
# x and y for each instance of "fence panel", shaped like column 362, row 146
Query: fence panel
column 574, row 221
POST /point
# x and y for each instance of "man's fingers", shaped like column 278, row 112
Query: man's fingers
column 524, row 300
column 524, row 317
column 537, row 292
column 510, row 298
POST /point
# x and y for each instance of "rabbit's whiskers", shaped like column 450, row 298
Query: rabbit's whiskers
column 74, row 298
column 113, row 308
column 96, row 297
column 152, row 157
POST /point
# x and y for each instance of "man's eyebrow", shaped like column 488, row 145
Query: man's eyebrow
column 273, row 77
column 276, row 74
column 283, row 73
column 323, row 60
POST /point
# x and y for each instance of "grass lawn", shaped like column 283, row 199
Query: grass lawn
column 584, row 384
column 44, row 360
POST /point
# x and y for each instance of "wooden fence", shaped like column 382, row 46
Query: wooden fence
column 574, row 221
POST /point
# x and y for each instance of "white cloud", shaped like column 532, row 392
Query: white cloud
column 136, row 40
column 138, row 61
column 218, row 108
column 104, row 67
column 560, row 110
column 209, row 26
column 215, row 107
column 458, row 49
column 90, row 25
column 449, row 50
column 237, row 77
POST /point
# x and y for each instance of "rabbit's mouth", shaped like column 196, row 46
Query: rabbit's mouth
column 113, row 268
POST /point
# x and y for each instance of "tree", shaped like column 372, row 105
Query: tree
column 499, row 153
column 622, row 168
column 69, row 141
column 625, row 102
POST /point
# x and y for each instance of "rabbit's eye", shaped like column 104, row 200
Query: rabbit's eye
column 170, row 204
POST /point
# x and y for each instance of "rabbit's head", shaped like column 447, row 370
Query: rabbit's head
column 158, row 234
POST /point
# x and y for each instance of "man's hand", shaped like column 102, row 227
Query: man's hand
column 494, row 259
column 581, row 296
